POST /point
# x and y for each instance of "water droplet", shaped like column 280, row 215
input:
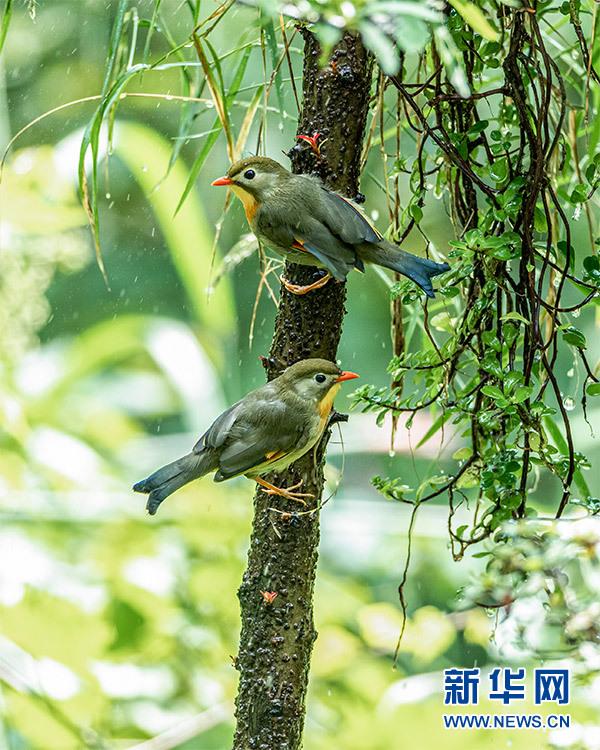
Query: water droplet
column 576, row 313
column 168, row 97
column 557, row 280
column 144, row 168
column 568, row 403
column 570, row 373
column 391, row 453
column 108, row 196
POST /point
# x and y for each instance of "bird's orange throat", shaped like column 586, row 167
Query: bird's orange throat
column 326, row 404
column 248, row 201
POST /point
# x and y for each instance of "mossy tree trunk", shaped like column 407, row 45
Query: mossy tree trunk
column 277, row 638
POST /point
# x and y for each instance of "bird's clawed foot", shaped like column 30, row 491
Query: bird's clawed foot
column 298, row 289
column 287, row 492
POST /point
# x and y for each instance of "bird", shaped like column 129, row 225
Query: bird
column 300, row 218
column 265, row 431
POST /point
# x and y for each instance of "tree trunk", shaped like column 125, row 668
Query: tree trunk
column 277, row 636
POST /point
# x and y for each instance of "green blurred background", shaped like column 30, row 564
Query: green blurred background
column 116, row 627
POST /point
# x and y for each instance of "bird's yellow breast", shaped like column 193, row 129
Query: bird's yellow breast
column 248, row 201
column 326, row 403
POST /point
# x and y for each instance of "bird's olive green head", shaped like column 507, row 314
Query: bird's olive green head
column 256, row 175
column 313, row 379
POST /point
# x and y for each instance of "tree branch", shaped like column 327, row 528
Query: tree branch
column 278, row 633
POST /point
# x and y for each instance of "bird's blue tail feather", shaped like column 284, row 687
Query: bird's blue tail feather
column 419, row 270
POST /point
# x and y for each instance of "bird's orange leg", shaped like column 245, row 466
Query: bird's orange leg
column 298, row 289
column 288, row 493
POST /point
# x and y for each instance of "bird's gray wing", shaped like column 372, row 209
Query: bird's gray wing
column 219, row 430
column 296, row 228
column 264, row 431
column 345, row 219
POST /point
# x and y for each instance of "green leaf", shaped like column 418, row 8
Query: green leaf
column 522, row 393
column 515, row 316
column 5, row 22
column 215, row 132
column 439, row 422
column 478, row 127
column 579, row 194
column 381, row 46
column 412, row 34
column 269, row 30
column 475, row 18
column 492, row 391
column 593, row 389
column 113, row 50
column 498, row 170
column 574, row 336
column 560, row 443
column 128, row 622
column 416, row 212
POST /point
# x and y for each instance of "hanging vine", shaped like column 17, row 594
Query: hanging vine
column 486, row 362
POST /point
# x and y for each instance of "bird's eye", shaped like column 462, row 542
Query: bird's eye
column 320, row 378
column 249, row 174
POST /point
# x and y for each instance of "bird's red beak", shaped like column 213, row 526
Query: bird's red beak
column 222, row 181
column 346, row 376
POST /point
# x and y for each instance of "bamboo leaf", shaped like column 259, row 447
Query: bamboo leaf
column 269, row 29
column 214, row 135
column 151, row 29
column 6, row 16
column 220, row 105
column 247, row 123
column 475, row 18
column 437, row 425
column 113, row 50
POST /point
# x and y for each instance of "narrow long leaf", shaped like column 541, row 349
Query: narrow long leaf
column 562, row 446
column 269, row 29
column 6, row 16
column 150, row 33
column 113, row 50
column 437, row 425
column 247, row 123
column 213, row 137
column 220, row 105
column 475, row 18
column 91, row 140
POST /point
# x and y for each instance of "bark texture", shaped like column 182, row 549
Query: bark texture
column 278, row 636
